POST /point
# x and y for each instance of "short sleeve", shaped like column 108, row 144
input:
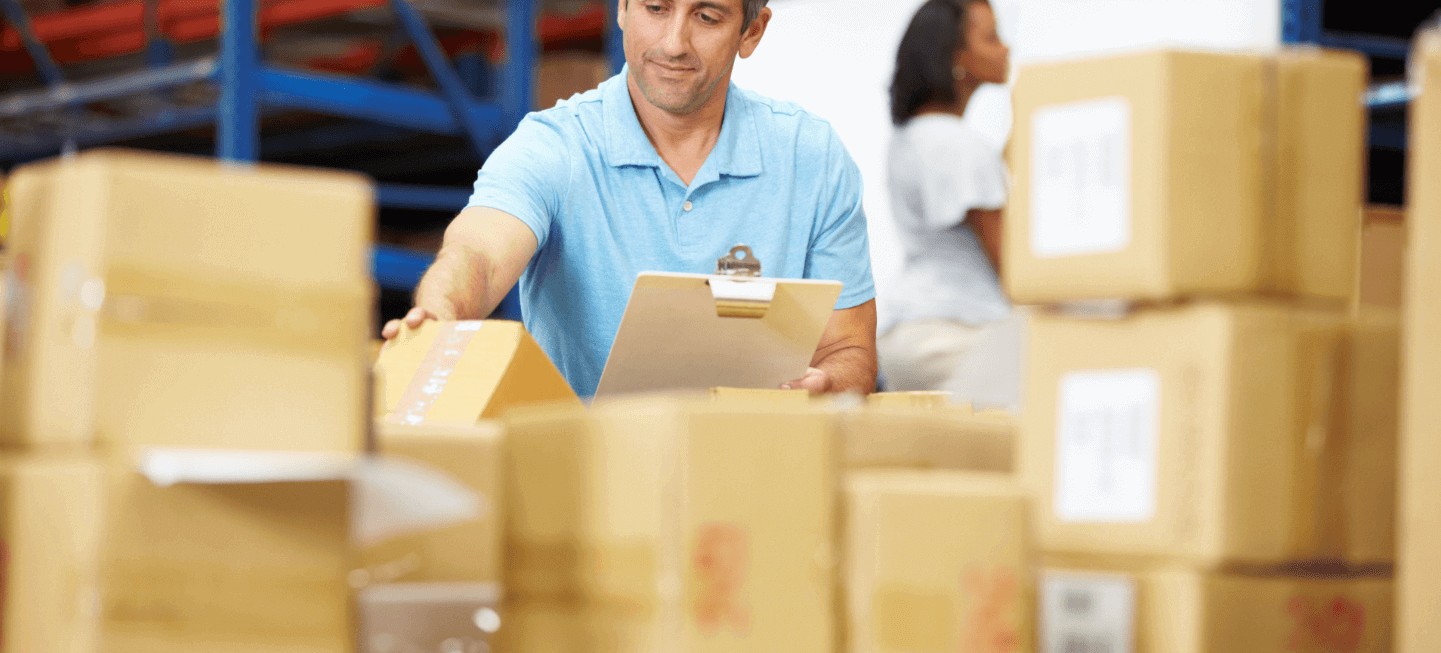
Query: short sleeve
column 959, row 172
column 841, row 250
column 526, row 176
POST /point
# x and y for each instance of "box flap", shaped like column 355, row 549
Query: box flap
column 391, row 496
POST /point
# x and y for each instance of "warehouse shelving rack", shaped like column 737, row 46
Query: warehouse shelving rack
column 44, row 121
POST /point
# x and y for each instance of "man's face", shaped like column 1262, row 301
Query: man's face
column 679, row 51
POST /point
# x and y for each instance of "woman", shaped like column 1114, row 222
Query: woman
column 947, row 187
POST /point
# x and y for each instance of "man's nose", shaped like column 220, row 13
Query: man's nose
column 677, row 36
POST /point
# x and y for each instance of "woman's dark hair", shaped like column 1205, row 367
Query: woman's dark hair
column 924, row 60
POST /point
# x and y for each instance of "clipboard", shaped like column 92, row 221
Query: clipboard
column 731, row 329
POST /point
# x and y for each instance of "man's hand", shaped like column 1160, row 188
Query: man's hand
column 484, row 252
column 413, row 319
column 816, row 381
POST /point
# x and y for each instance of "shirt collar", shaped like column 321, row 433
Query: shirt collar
column 737, row 151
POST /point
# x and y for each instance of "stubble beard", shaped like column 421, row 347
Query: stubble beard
column 694, row 98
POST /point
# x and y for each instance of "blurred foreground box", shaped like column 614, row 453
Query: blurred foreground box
column 100, row 559
column 1170, row 610
column 1172, row 173
column 928, row 438
column 1383, row 257
column 458, row 373
column 161, row 300
column 1214, row 433
column 665, row 525
column 468, row 552
column 937, row 561
column 1419, row 622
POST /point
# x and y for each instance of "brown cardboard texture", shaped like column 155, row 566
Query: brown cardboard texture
column 458, row 373
column 1363, row 458
column 1419, row 622
column 934, row 438
column 468, row 552
column 761, row 396
column 937, row 561
column 1177, row 610
column 1195, row 432
column 912, row 399
column 1171, row 173
column 1383, row 257
column 101, row 559
column 154, row 304
column 705, row 527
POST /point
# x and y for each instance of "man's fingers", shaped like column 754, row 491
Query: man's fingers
column 391, row 329
column 815, row 381
column 416, row 316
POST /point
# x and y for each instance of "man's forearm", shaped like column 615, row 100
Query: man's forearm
column 852, row 369
column 457, row 285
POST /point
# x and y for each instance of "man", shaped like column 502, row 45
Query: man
column 664, row 167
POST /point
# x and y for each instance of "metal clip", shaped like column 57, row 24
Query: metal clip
column 740, row 262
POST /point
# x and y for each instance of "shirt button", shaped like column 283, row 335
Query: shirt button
column 687, row 206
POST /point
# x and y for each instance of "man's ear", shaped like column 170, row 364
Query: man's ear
column 752, row 36
column 620, row 12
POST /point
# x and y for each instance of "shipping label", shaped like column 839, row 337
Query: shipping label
column 1081, row 178
column 1087, row 613
column 1107, row 426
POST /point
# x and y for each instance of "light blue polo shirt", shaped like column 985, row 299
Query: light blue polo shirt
column 604, row 207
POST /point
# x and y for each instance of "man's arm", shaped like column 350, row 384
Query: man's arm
column 846, row 358
column 482, row 257
column 987, row 225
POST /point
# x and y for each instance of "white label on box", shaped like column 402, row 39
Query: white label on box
column 1081, row 178
column 1087, row 613
column 1107, row 422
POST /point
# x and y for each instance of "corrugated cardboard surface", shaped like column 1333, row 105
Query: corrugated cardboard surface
column 1244, row 397
column 937, row 561
column 1383, row 257
column 935, row 399
column 469, row 552
column 1419, row 566
column 952, row 438
column 710, row 528
column 1245, row 176
column 1367, row 430
column 496, row 367
column 101, row 559
column 235, row 301
column 1178, row 610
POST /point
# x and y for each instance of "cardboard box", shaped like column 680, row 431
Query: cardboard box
column 458, row 373
column 1172, row 173
column 1419, row 622
column 100, row 559
column 937, row 561
column 160, row 300
column 1180, row 610
column 1196, row 432
column 462, row 553
column 923, row 399
column 1383, row 257
column 953, row 438
column 563, row 74
column 1363, row 458
column 685, row 525
column 759, row 396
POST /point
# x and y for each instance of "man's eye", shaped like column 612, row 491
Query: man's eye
column 709, row 19
column 655, row 9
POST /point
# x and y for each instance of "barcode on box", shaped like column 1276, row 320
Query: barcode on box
column 1087, row 613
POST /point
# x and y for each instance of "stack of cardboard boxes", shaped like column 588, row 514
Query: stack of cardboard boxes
column 159, row 304
column 1212, row 452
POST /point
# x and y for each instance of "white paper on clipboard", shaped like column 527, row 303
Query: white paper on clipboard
column 672, row 338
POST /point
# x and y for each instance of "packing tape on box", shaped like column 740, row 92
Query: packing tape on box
column 435, row 369
column 141, row 304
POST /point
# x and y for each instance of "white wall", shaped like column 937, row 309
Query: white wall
column 836, row 58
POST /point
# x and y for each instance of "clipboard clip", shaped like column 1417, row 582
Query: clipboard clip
column 737, row 289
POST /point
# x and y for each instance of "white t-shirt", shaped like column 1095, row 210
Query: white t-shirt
column 940, row 168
